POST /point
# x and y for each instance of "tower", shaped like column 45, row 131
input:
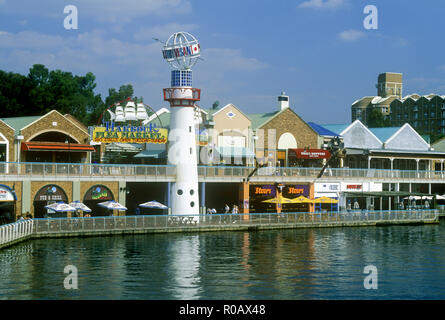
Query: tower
column 283, row 101
column 390, row 84
column 181, row 51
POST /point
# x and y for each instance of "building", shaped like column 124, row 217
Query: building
column 389, row 87
column 426, row 114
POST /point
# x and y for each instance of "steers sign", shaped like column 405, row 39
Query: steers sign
column 309, row 153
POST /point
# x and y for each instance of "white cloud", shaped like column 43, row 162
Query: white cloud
column 230, row 59
column 115, row 62
column 162, row 32
column 442, row 68
column 115, row 11
column 321, row 4
column 351, row 35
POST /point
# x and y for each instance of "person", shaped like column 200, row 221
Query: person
column 28, row 215
column 356, row 205
column 348, row 207
column 226, row 209
column 209, row 211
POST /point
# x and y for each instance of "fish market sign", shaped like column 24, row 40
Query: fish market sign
column 130, row 134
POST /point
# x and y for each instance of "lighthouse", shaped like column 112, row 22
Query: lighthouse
column 182, row 51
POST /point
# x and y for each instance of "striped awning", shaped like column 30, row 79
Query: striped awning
column 56, row 146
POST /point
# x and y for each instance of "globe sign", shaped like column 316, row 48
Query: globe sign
column 181, row 51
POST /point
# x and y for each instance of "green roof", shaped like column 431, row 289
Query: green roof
column 19, row 123
column 258, row 119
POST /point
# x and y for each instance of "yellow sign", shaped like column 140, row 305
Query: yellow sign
column 130, row 134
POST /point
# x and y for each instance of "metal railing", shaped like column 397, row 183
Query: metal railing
column 100, row 170
column 15, row 231
column 119, row 223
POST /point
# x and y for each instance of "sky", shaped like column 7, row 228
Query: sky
column 317, row 51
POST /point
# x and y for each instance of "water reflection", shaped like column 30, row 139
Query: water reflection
column 184, row 267
column 276, row 264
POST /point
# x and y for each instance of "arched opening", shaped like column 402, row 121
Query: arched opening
column 95, row 195
column 7, row 204
column 48, row 194
column 285, row 142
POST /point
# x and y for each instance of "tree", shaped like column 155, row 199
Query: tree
column 376, row 119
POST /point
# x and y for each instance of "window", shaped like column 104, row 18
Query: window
column 179, row 192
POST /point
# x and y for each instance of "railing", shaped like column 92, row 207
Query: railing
column 120, row 223
column 137, row 170
column 15, row 231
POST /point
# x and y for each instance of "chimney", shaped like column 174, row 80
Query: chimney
column 283, row 101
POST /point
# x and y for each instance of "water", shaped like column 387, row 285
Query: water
column 278, row 264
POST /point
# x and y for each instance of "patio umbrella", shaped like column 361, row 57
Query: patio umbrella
column 112, row 205
column 60, row 207
column 301, row 199
column 153, row 204
column 439, row 197
column 325, row 200
column 282, row 200
column 80, row 206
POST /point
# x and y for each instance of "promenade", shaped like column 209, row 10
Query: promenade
column 102, row 226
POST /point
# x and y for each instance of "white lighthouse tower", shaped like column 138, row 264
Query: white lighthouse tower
column 181, row 51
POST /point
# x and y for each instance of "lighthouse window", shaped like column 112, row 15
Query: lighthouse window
column 192, row 192
column 190, row 128
column 180, row 192
column 190, row 150
column 192, row 204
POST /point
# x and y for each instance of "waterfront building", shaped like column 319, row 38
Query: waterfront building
column 425, row 113
column 52, row 137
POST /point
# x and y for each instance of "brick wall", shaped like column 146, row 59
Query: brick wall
column 289, row 121
column 45, row 124
column 8, row 132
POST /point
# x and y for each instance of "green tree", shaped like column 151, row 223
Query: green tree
column 376, row 119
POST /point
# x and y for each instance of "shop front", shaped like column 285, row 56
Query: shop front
column 280, row 197
column 8, row 200
column 47, row 195
column 95, row 195
column 307, row 157
column 353, row 195
column 329, row 194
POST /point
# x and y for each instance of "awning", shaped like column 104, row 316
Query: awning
column 56, row 146
column 155, row 154
column 235, row 152
column 384, row 194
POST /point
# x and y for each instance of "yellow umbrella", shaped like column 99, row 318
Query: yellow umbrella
column 301, row 199
column 283, row 200
column 325, row 200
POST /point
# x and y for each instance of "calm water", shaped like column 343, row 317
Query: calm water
column 285, row 264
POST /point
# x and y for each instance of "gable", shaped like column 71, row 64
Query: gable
column 358, row 136
column 406, row 138
column 230, row 118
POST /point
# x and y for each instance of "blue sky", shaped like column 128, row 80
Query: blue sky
column 316, row 50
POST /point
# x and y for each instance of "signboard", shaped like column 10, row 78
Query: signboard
column 184, row 51
column 361, row 187
column 326, row 187
column 130, row 134
column 98, row 193
column 51, row 193
column 309, row 153
column 6, row 194
column 294, row 191
column 262, row 191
